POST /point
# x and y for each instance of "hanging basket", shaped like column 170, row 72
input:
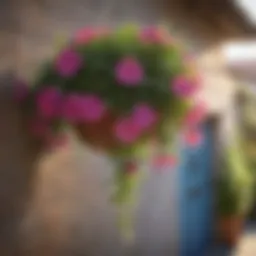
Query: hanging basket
column 119, row 90
column 116, row 88
column 100, row 135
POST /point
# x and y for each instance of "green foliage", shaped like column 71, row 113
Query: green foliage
column 161, row 62
column 248, row 131
column 235, row 185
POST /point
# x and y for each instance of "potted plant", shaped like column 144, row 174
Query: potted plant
column 119, row 90
column 234, row 196
column 247, row 126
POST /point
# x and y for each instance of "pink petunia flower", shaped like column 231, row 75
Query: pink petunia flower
column 127, row 131
column 86, row 35
column 21, row 91
column 193, row 137
column 183, row 87
column 49, row 102
column 196, row 115
column 93, row 108
column 129, row 72
column 144, row 115
column 165, row 161
column 80, row 108
column 68, row 63
column 152, row 35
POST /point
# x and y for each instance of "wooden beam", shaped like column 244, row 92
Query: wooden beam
column 219, row 20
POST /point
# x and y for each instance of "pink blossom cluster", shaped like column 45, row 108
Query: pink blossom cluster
column 75, row 108
column 53, row 104
column 187, row 88
column 165, row 160
column 149, row 34
column 88, row 34
column 89, row 108
column 129, row 129
column 152, row 35
column 184, row 87
column 192, row 122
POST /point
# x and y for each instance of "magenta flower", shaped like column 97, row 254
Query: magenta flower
column 126, row 130
column 129, row 72
column 144, row 116
column 21, row 91
column 93, row 108
column 183, row 87
column 152, row 35
column 49, row 102
column 193, row 137
column 129, row 129
column 80, row 108
column 68, row 63
column 86, row 35
column 196, row 115
column 165, row 161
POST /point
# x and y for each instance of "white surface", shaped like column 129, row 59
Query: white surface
column 241, row 59
column 240, row 51
column 249, row 7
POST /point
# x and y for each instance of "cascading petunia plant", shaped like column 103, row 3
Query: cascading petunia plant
column 119, row 90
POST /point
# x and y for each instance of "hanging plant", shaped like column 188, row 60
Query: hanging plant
column 119, row 90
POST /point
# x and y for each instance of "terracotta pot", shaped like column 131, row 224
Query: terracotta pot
column 230, row 229
column 100, row 134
